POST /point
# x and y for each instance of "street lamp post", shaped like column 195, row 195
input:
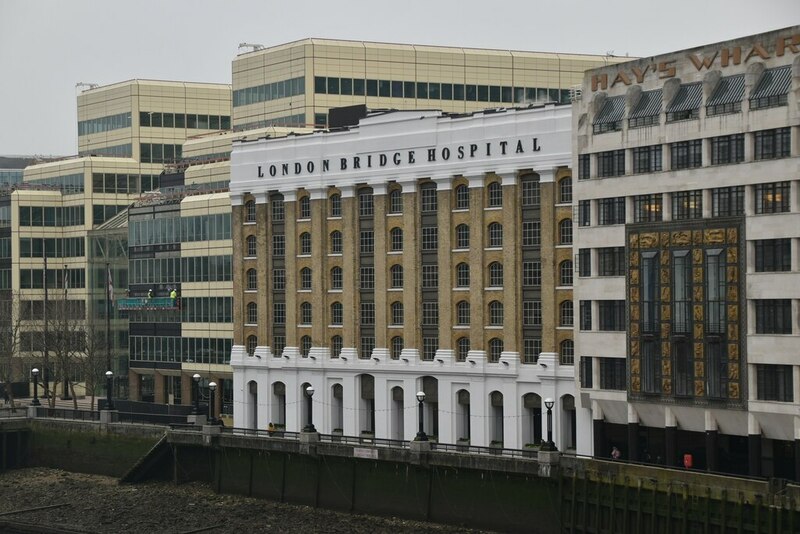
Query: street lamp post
column 212, row 387
column 35, row 373
column 421, row 434
column 310, row 426
column 109, row 388
column 549, row 445
column 196, row 407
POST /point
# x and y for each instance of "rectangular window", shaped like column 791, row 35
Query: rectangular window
column 532, row 313
column 682, row 292
column 612, row 373
column 531, row 233
column 611, row 163
column 647, row 208
column 612, row 210
column 367, row 313
column 650, row 293
column 647, row 159
column 279, row 312
column 429, row 199
column 770, row 144
column 430, row 238
column 367, row 345
column 611, row 261
column 367, row 278
column 773, row 255
column 585, row 372
column 687, row 205
column 727, row 201
column 774, row 383
column 359, row 87
column 277, row 211
column 583, row 166
column 429, row 347
column 531, row 273
column 772, row 197
column 430, row 313
column 367, row 242
column 278, row 279
column 430, row 276
column 278, row 245
column 585, row 262
column 774, row 316
column 687, row 154
column 365, row 204
column 611, row 315
column 727, row 149
column 531, row 348
column 584, row 213
column 585, row 321
column 531, row 193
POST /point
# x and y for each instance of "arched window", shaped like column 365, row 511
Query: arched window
column 565, row 232
column 566, row 313
column 305, row 313
column 252, row 313
column 396, row 239
column 462, row 197
column 305, row 243
column 395, row 201
column 462, row 313
column 336, row 242
column 397, row 347
column 335, row 203
column 336, row 278
column 252, row 343
column 337, row 313
column 252, row 279
column 495, row 235
column 565, row 273
column 495, row 194
column 565, row 190
column 462, row 236
column 496, row 274
column 495, row 349
column 252, row 246
column 397, row 313
column 250, row 211
column 305, row 346
column 463, row 348
column 462, row 275
column 304, row 211
column 305, row 278
column 336, row 346
column 396, row 272
column 567, row 352
column 496, row 313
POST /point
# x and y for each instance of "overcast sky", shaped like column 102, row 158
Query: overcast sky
column 46, row 47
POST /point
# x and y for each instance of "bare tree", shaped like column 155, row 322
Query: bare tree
column 93, row 362
column 67, row 341
column 10, row 326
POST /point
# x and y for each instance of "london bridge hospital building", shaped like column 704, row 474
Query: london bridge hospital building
column 415, row 251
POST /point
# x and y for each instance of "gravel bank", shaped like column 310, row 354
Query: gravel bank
column 99, row 504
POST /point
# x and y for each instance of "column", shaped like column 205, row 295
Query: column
column 549, row 268
column 476, row 272
column 349, row 275
column 263, row 266
column 381, row 239
column 238, row 274
column 598, row 426
column 134, row 386
column 187, row 387
column 797, row 447
column 319, row 269
column 445, row 260
column 712, row 445
column 753, row 445
column 670, row 439
column 290, row 253
column 158, row 388
column 633, row 434
column 411, row 282
column 511, row 263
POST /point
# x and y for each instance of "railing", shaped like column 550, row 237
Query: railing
column 251, row 432
column 66, row 413
column 144, row 303
column 151, row 418
column 486, row 451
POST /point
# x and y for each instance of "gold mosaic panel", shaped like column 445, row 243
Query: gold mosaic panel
column 733, row 390
column 733, row 255
column 634, row 259
column 635, row 313
column 697, row 256
column 633, row 241
column 697, row 313
column 666, row 312
column 681, row 238
column 666, row 330
column 635, row 384
column 664, row 239
column 666, row 350
column 634, row 277
column 697, row 275
column 699, row 370
column 711, row 237
column 699, row 351
column 733, row 351
column 699, row 388
column 697, row 293
column 666, row 386
column 635, row 367
column 733, row 294
column 664, row 278
column 634, row 329
column 666, row 367
column 664, row 260
column 698, row 330
column 733, row 274
column 697, row 237
column 733, row 236
column 634, row 294
column 733, row 312
column 666, row 294
column 648, row 240
column 733, row 332
column 733, row 371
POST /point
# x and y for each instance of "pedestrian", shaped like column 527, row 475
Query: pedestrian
column 615, row 453
column 5, row 397
column 173, row 294
column 149, row 294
